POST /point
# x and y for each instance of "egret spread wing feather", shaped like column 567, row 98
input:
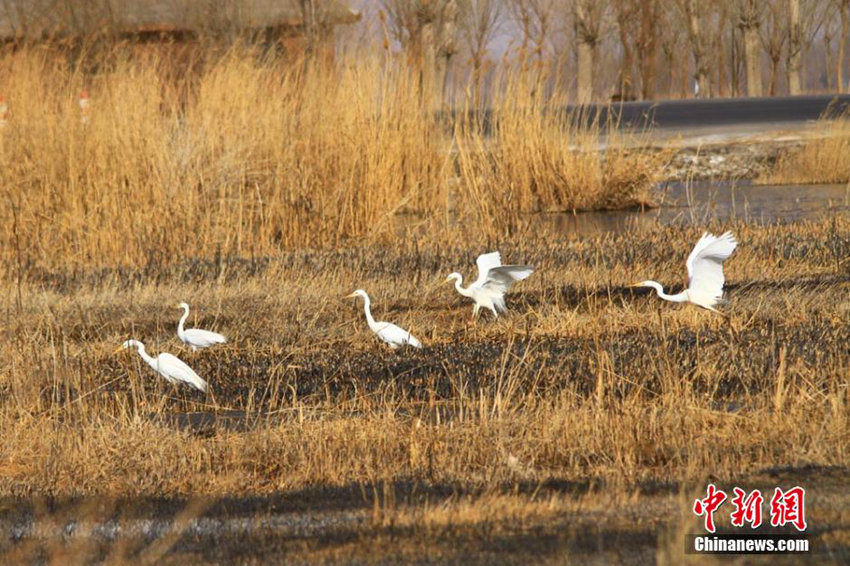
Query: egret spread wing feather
column 485, row 263
column 705, row 272
column 494, row 280
column 171, row 366
column 705, row 267
column 502, row 277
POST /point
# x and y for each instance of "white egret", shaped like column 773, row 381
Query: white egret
column 393, row 335
column 195, row 337
column 168, row 366
column 494, row 280
column 705, row 272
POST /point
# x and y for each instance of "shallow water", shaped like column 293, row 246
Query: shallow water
column 698, row 203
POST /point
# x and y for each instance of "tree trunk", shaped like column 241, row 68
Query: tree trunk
column 445, row 49
column 670, row 66
column 627, row 60
column 429, row 65
column 839, row 62
column 735, row 78
column 584, row 71
column 774, row 71
column 477, row 79
column 586, row 35
column 704, row 83
column 752, row 54
column 827, row 50
column 698, row 49
column 795, row 48
column 648, row 46
column 719, row 68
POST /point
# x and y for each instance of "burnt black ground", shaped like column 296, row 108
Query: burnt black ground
column 746, row 362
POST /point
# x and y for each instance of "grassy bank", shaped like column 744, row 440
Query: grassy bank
column 821, row 159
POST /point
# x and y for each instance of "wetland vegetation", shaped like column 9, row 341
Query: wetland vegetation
column 261, row 195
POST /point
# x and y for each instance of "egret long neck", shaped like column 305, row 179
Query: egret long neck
column 150, row 361
column 368, row 310
column 182, row 321
column 461, row 290
column 659, row 290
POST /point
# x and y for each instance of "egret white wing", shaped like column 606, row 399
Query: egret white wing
column 203, row 338
column 396, row 336
column 705, row 265
column 174, row 367
column 501, row 278
column 485, row 263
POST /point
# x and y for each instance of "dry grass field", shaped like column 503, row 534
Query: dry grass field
column 261, row 197
column 585, row 387
column 584, row 378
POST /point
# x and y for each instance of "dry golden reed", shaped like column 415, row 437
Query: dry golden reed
column 243, row 153
column 537, row 158
column 825, row 158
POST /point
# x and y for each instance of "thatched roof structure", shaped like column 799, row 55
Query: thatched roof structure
column 32, row 19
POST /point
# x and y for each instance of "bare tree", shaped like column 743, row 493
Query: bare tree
column 795, row 48
column 647, row 44
column 535, row 20
column 842, row 6
column 723, row 42
column 426, row 29
column 749, row 20
column 521, row 15
column 479, row 21
column 588, row 18
column 773, row 32
column 673, row 42
column 803, row 26
column 736, row 59
column 830, row 24
column 639, row 23
column 626, row 12
column 694, row 13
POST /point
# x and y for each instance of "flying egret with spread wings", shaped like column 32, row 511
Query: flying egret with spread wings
column 494, row 280
column 393, row 335
column 705, row 272
column 173, row 369
column 195, row 337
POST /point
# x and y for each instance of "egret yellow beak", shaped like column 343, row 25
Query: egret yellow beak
column 351, row 295
column 634, row 285
column 449, row 278
column 118, row 349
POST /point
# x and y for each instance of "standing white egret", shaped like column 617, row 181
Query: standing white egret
column 168, row 366
column 393, row 335
column 494, row 280
column 705, row 272
column 195, row 337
